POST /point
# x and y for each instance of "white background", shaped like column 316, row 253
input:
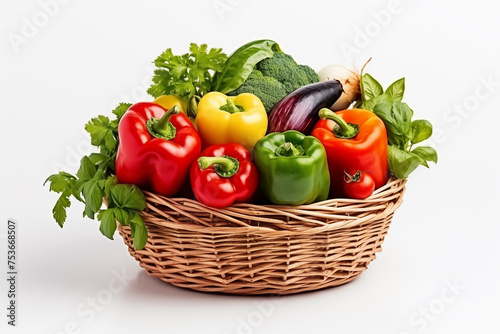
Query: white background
column 88, row 55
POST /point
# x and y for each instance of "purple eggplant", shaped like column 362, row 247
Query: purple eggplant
column 299, row 109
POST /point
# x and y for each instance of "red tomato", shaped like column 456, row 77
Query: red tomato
column 358, row 184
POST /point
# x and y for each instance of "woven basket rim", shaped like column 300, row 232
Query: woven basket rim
column 304, row 219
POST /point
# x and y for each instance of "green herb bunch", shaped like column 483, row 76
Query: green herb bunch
column 402, row 132
column 186, row 75
column 95, row 181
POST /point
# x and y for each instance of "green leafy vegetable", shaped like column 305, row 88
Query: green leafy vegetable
column 108, row 223
column 370, row 88
column 94, row 181
column 241, row 63
column 59, row 210
column 275, row 77
column 186, row 75
column 402, row 132
column 422, row 130
column 101, row 132
column 396, row 90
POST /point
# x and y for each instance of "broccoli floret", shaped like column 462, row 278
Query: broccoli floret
column 311, row 74
column 269, row 90
column 274, row 78
column 283, row 68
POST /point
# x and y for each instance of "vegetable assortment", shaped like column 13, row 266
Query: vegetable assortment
column 252, row 127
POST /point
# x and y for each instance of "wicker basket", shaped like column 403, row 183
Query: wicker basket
column 264, row 249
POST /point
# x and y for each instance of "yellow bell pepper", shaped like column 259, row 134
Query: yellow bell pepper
column 168, row 101
column 225, row 119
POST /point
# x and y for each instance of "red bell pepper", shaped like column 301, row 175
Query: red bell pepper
column 354, row 139
column 156, row 148
column 224, row 175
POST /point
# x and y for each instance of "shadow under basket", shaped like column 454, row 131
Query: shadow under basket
column 250, row 249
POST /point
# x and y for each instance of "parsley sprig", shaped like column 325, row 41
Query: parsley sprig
column 186, row 75
column 95, row 181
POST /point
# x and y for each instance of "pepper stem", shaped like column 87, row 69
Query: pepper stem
column 230, row 107
column 342, row 129
column 225, row 166
column 192, row 106
column 289, row 150
column 162, row 127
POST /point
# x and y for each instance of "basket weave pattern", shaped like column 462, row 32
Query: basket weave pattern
column 264, row 249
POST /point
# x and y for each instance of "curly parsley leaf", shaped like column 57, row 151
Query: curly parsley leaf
column 59, row 182
column 62, row 183
column 120, row 110
column 186, row 75
column 102, row 133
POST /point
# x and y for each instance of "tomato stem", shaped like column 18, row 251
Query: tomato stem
column 356, row 177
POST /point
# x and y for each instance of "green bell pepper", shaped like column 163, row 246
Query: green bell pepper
column 293, row 168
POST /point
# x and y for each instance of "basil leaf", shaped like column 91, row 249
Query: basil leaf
column 384, row 111
column 370, row 88
column 402, row 163
column 381, row 98
column 396, row 90
column 403, row 114
column 395, row 135
column 397, row 140
column 426, row 153
column 108, row 223
column 422, row 130
column 241, row 63
column 402, row 133
column 367, row 105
